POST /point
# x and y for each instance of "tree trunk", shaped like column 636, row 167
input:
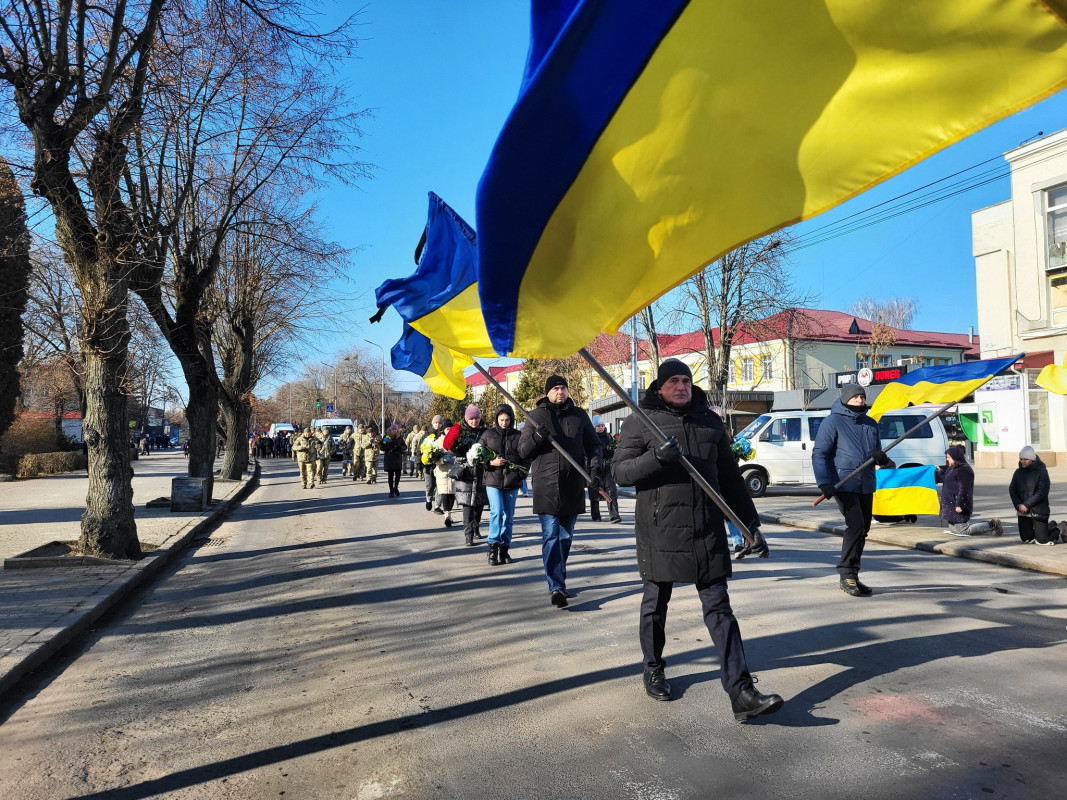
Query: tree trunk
column 108, row 527
column 202, row 414
column 237, row 416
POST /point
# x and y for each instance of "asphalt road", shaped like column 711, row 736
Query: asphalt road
column 337, row 644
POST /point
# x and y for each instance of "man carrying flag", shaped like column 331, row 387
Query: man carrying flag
column 846, row 439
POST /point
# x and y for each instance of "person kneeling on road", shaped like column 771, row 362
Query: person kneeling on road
column 957, row 496
column 680, row 531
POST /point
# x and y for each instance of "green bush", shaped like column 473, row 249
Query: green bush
column 33, row 464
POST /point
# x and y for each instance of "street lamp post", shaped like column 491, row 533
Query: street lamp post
column 333, row 371
column 381, row 430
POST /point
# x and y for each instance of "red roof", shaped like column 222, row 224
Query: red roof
column 478, row 379
column 800, row 323
column 48, row 415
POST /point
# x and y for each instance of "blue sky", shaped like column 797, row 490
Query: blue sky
column 440, row 79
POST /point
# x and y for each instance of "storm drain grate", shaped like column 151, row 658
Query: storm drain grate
column 205, row 541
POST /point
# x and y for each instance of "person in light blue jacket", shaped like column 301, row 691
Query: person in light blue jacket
column 846, row 439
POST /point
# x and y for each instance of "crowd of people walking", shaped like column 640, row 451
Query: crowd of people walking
column 681, row 534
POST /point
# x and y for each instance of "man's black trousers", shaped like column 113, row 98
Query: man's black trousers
column 721, row 623
column 856, row 509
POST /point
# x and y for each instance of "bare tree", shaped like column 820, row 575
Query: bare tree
column 896, row 312
column 735, row 293
column 244, row 109
column 78, row 72
column 15, row 269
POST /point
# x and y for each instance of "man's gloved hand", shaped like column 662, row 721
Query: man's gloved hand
column 540, row 435
column 594, row 484
column 827, row 490
column 758, row 547
column 670, row 452
column 879, row 456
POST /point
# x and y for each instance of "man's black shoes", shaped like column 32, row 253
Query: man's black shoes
column 852, row 586
column 656, row 685
column 559, row 598
column 750, row 703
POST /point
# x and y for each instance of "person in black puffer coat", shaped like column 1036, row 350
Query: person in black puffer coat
column 603, row 476
column 846, row 439
column 393, row 458
column 468, row 483
column 502, row 482
column 559, row 489
column 1029, row 490
column 680, row 532
column 957, row 496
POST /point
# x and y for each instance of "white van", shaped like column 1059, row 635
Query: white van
column 280, row 427
column 782, row 441
column 336, row 426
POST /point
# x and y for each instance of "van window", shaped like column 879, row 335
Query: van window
column 750, row 429
column 813, row 426
column 784, row 429
column 895, row 426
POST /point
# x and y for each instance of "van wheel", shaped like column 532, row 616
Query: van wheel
column 755, row 482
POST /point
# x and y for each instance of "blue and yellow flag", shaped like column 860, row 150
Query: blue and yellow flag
column 441, row 368
column 440, row 300
column 938, row 384
column 1054, row 378
column 910, row 490
column 649, row 138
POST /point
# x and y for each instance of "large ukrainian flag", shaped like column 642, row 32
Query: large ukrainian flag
column 651, row 137
column 910, row 490
column 440, row 300
column 938, row 384
column 441, row 368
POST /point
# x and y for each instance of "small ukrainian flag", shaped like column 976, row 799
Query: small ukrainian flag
column 910, row 490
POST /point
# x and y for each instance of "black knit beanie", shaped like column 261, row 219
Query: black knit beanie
column 555, row 380
column 671, row 367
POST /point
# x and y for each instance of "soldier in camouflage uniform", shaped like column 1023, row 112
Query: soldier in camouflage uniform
column 325, row 452
column 306, row 449
column 347, row 444
column 358, row 467
column 370, row 456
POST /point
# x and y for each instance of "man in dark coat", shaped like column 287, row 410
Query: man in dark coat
column 680, row 531
column 560, row 495
column 846, row 439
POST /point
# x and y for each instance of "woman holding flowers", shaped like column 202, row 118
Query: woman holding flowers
column 504, row 472
column 467, row 477
column 439, row 462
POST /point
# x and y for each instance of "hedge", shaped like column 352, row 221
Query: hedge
column 33, row 464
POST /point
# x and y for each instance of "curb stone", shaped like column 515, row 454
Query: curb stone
column 42, row 646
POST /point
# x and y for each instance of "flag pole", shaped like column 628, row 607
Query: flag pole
column 551, row 439
column 661, row 437
column 887, row 448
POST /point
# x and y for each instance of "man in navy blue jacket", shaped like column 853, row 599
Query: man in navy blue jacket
column 846, row 439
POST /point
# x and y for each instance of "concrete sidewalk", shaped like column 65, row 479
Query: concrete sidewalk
column 42, row 609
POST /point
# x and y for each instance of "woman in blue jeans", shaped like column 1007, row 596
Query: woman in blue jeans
column 503, row 477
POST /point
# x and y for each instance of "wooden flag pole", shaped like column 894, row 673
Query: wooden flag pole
column 887, row 448
column 661, row 437
column 551, row 440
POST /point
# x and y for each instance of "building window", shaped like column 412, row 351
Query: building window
column 885, row 360
column 766, row 368
column 861, row 361
column 1037, row 402
column 747, row 370
column 1057, row 298
column 1056, row 215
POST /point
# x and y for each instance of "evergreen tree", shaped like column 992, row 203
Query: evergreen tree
column 14, row 282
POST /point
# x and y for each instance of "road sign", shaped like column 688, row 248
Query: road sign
column 329, row 409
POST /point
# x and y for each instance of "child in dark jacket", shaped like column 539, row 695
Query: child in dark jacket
column 957, row 496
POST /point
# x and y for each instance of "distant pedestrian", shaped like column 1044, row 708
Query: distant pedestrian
column 436, row 425
column 1029, row 491
column 603, row 476
column 306, row 448
column 846, row 439
column 957, row 496
column 393, row 458
column 559, row 495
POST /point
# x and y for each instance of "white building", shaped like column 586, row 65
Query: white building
column 1020, row 252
